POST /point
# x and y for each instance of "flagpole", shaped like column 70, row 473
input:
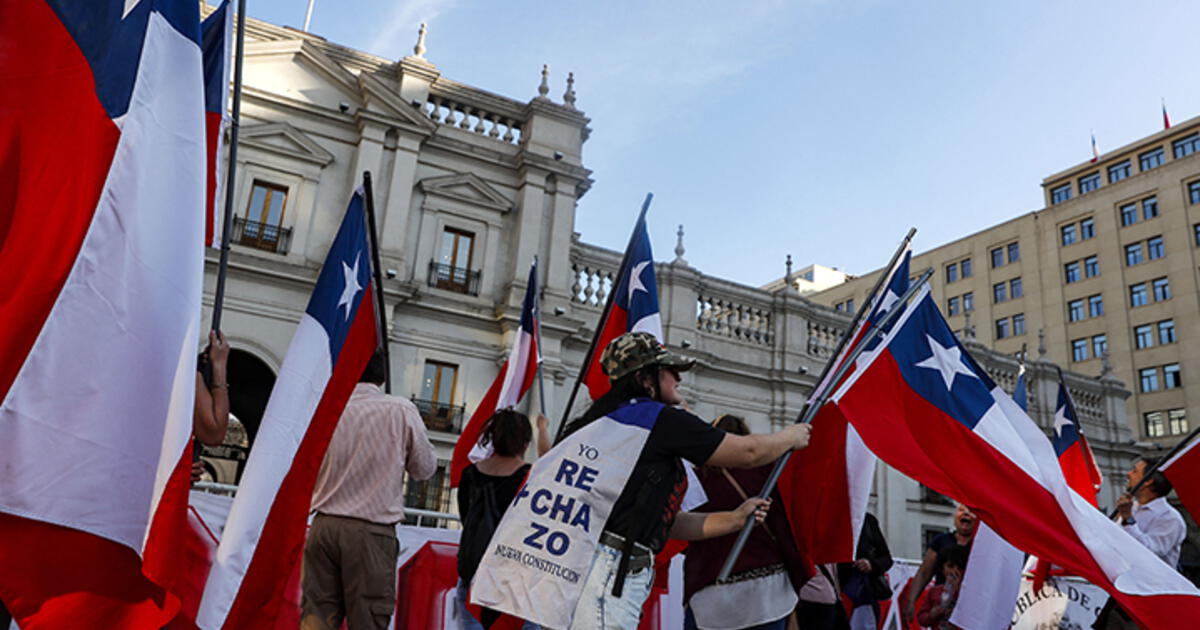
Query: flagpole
column 810, row 411
column 227, row 218
column 377, row 273
column 587, row 359
column 537, row 331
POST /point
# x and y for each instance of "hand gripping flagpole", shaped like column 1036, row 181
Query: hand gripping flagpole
column 227, row 218
column 587, row 359
column 814, row 405
column 380, row 309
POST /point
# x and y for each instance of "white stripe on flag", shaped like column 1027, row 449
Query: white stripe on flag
column 302, row 379
column 990, row 585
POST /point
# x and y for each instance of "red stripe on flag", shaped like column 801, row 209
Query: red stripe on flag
column 279, row 547
column 815, row 490
column 56, row 148
column 169, row 530
column 212, row 138
column 470, row 433
column 596, row 380
column 1183, row 471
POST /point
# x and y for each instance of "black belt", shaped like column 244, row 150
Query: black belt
column 640, row 556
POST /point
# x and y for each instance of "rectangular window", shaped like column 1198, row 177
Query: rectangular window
column 1068, row 234
column 1002, row 328
column 1075, row 310
column 998, row 293
column 1071, row 272
column 1060, row 194
column 1172, row 379
column 1177, row 421
column 1148, row 380
column 1091, row 266
column 1194, row 192
column 1149, row 207
column 850, row 305
column 1129, row 214
column 1196, row 233
column 1162, row 289
column 840, row 306
column 1151, row 159
column 438, row 385
column 1014, row 252
column 1120, row 171
column 1099, row 345
column 952, row 273
column 1088, row 183
column 1166, row 331
column 952, row 306
column 1143, row 337
column 1155, row 424
column 1133, row 254
column 262, row 227
column 1187, row 146
column 452, row 270
column 1087, row 229
column 1154, row 248
column 1096, row 306
column 1138, row 296
column 1018, row 324
column 1079, row 350
column 997, row 257
column 1014, row 288
column 968, row 301
column 431, row 494
column 966, row 268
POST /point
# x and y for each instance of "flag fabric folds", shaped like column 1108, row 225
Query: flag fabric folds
column 634, row 306
column 1183, row 471
column 216, row 40
column 825, row 490
column 1166, row 119
column 1095, row 149
column 105, row 146
column 924, row 406
column 264, row 536
column 1072, row 448
column 515, row 379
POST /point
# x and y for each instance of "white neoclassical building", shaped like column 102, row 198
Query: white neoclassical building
column 469, row 186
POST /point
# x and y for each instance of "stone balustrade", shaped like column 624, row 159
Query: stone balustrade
column 740, row 317
column 475, row 111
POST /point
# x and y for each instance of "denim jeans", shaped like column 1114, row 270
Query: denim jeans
column 597, row 608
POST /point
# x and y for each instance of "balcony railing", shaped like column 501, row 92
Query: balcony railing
column 264, row 236
column 457, row 279
column 440, row 416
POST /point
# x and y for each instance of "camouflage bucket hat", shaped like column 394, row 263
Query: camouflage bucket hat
column 634, row 350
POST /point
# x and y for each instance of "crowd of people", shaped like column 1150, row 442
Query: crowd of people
column 348, row 570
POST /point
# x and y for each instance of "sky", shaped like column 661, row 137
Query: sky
column 822, row 129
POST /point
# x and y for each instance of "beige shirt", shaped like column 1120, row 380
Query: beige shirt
column 378, row 438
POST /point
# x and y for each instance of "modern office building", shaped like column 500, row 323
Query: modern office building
column 1103, row 279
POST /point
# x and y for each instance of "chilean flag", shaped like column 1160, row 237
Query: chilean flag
column 516, row 378
column 925, row 407
column 264, row 535
column 1095, row 149
column 1166, row 119
column 216, row 39
column 1072, row 448
column 634, row 306
column 1183, row 471
column 102, row 189
column 825, row 489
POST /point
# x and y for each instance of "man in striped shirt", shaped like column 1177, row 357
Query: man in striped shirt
column 349, row 569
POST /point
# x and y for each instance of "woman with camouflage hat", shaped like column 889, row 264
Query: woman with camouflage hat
column 647, row 512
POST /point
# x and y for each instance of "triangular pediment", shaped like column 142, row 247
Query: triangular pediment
column 316, row 63
column 378, row 97
column 286, row 140
column 466, row 187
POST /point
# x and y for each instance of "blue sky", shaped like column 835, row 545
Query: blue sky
column 817, row 128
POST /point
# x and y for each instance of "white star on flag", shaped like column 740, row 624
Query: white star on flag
column 130, row 5
column 635, row 279
column 889, row 300
column 352, row 287
column 948, row 361
column 1060, row 421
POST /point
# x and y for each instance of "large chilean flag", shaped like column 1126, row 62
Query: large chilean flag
column 634, row 305
column 264, row 536
column 101, row 199
column 925, row 407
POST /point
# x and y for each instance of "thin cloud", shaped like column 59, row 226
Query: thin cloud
column 398, row 32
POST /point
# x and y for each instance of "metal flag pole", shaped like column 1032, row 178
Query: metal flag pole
column 587, row 359
column 537, row 331
column 814, row 405
column 377, row 272
column 308, row 15
column 234, row 125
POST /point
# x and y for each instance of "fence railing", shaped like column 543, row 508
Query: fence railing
column 439, row 416
column 450, row 278
column 265, row 236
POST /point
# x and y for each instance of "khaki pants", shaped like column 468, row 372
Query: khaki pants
column 348, row 572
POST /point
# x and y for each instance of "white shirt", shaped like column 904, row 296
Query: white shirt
column 1159, row 528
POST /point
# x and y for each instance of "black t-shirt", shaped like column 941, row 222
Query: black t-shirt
column 504, row 488
column 652, row 496
column 940, row 542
